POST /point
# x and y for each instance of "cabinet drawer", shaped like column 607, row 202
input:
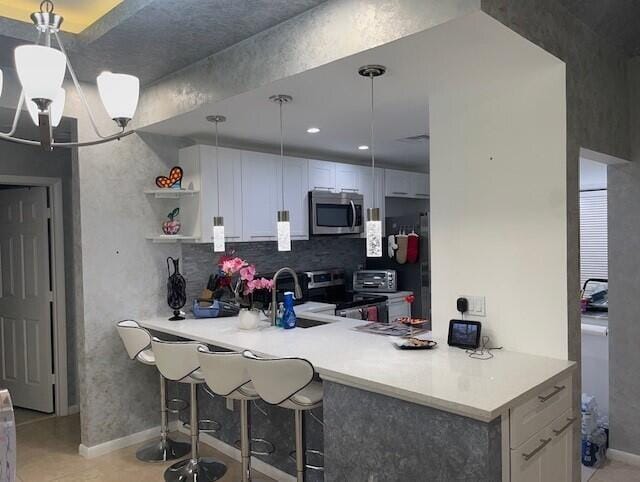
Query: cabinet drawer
column 550, row 402
column 528, row 461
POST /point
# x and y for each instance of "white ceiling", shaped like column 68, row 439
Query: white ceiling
column 475, row 51
column 334, row 98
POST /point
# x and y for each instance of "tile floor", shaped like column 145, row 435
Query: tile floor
column 614, row 471
column 48, row 451
column 24, row 416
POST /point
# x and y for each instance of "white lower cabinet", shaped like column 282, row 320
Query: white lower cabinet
column 547, row 455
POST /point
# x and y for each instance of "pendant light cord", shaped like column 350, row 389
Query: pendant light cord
column 372, row 149
column 217, row 169
column 282, row 153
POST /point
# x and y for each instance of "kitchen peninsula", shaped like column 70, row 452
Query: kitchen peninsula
column 398, row 415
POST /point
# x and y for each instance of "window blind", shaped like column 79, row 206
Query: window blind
column 593, row 235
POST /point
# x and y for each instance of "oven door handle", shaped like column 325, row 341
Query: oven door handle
column 353, row 210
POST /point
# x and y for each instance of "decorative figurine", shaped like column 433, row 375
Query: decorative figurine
column 172, row 226
column 174, row 181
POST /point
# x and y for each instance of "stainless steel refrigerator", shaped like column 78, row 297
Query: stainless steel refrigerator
column 414, row 277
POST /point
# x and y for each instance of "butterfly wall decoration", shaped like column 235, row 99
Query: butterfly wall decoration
column 174, row 180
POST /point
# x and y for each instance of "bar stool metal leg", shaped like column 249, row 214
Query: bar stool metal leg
column 167, row 448
column 195, row 468
column 300, row 446
column 245, row 441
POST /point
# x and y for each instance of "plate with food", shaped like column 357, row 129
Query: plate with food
column 414, row 343
column 413, row 322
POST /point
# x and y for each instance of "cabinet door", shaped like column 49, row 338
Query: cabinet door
column 421, row 185
column 261, row 195
column 230, row 192
column 399, row 183
column 322, row 175
column 296, row 196
column 557, row 463
column 348, row 178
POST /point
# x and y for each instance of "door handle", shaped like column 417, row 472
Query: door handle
column 353, row 210
column 570, row 421
column 322, row 187
column 557, row 389
column 543, row 444
column 399, row 192
column 344, row 189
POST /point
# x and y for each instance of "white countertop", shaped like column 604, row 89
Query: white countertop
column 444, row 378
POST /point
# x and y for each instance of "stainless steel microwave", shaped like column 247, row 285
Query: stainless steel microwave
column 335, row 213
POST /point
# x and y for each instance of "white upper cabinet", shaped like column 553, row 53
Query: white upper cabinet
column 230, row 183
column 296, row 196
column 322, row 175
column 202, row 172
column 261, row 195
column 406, row 184
column 348, row 178
column 421, row 184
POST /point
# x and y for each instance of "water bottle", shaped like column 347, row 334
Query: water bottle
column 289, row 315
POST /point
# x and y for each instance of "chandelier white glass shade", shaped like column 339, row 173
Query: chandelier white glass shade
column 41, row 69
column 56, row 108
column 1, row 81
column 119, row 94
column 374, row 224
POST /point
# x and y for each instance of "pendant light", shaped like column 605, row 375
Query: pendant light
column 218, row 221
column 284, row 225
column 374, row 223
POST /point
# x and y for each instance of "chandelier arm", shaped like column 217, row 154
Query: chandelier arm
column 16, row 117
column 18, row 140
column 83, row 99
column 29, row 142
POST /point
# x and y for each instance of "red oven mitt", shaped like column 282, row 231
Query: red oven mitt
column 413, row 248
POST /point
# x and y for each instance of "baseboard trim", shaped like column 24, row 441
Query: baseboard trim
column 119, row 443
column 73, row 409
column 232, row 452
column 626, row 457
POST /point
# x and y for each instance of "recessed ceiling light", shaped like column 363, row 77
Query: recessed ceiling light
column 313, row 130
column 363, row 148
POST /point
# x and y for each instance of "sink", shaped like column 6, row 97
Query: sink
column 302, row 323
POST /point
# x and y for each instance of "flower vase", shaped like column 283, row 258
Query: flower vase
column 248, row 319
column 176, row 289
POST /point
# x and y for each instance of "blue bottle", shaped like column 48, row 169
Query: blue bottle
column 289, row 315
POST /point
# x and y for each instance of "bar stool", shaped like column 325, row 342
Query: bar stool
column 226, row 375
column 178, row 361
column 288, row 383
column 137, row 342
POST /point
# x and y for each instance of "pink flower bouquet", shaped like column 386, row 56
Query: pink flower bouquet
column 240, row 277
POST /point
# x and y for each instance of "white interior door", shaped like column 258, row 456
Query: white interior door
column 25, row 298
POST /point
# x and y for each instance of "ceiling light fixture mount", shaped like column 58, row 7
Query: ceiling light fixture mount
column 41, row 70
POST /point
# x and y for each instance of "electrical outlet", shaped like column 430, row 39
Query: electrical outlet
column 477, row 305
column 230, row 404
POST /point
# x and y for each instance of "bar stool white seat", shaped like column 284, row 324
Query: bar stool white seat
column 178, row 361
column 287, row 383
column 137, row 342
column 226, row 375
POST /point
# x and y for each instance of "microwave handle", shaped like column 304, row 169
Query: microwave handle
column 353, row 210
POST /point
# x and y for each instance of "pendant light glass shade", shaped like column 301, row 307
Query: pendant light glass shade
column 1, row 81
column 119, row 94
column 284, row 231
column 374, row 233
column 218, row 234
column 40, row 70
column 55, row 109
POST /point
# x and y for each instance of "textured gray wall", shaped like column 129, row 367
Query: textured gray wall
column 19, row 160
column 624, row 284
column 371, row 437
column 198, row 260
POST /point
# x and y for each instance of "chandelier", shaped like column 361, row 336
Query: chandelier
column 41, row 70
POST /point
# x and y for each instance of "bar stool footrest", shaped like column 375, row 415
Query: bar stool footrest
column 177, row 405
column 209, row 426
column 314, row 453
column 269, row 447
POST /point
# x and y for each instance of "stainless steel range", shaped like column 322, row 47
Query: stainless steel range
column 329, row 286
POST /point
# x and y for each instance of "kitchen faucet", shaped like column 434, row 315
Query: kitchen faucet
column 274, row 292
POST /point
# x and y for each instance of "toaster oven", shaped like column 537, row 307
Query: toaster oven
column 380, row 281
